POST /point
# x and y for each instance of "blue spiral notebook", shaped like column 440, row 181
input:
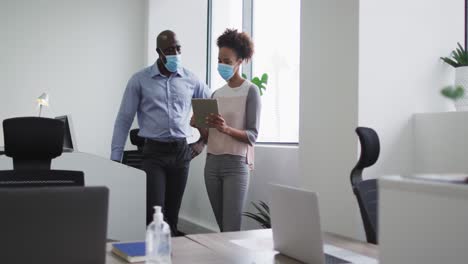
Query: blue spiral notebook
column 131, row 252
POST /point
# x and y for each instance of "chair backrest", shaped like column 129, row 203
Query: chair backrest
column 40, row 178
column 133, row 158
column 370, row 150
column 33, row 142
column 366, row 191
column 136, row 140
column 367, row 195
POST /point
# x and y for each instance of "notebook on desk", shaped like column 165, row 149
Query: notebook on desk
column 131, row 251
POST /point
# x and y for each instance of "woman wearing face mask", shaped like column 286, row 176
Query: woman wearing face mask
column 230, row 142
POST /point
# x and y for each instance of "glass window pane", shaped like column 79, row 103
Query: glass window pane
column 276, row 34
column 226, row 14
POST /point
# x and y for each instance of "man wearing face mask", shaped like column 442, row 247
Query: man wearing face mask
column 161, row 96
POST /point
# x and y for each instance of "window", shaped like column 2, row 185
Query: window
column 466, row 24
column 275, row 29
column 276, row 32
column 224, row 14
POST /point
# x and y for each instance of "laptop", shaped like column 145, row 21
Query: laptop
column 53, row 225
column 295, row 221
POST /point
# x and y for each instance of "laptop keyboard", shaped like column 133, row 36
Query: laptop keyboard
column 329, row 259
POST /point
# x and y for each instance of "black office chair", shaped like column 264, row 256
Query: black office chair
column 32, row 143
column 134, row 158
column 366, row 190
column 38, row 178
column 136, row 140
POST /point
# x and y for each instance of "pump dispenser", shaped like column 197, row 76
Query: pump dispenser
column 158, row 240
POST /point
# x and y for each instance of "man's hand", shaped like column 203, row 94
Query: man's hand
column 192, row 122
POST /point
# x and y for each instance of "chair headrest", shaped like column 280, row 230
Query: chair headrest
column 33, row 138
column 370, row 147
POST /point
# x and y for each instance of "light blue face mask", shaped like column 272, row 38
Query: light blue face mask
column 173, row 62
column 226, row 71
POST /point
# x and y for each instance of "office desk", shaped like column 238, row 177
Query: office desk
column 184, row 251
column 422, row 221
column 217, row 248
column 256, row 246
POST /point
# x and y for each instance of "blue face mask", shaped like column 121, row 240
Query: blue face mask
column 226, row 71
column 173, row 62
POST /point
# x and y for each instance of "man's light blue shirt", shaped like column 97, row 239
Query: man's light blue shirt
column 162, row 104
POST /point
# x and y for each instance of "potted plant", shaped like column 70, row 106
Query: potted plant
column 459, row 60
column 262, row 216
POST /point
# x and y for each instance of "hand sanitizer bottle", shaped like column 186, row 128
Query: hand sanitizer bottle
column 158, row 240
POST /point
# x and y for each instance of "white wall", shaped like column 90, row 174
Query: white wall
column 188, row 19
column 329, row 105
column 400, row 72
column 80, row 52
column 439, row 145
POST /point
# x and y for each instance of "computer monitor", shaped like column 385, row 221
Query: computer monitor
column 53, row 225
column 69, row 142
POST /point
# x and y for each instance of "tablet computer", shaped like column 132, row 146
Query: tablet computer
column 202, row 108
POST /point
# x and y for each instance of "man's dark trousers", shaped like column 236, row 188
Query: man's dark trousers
column 166, row 165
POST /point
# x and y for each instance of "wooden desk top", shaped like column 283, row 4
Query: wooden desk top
column 260, row 246
column 184, row 251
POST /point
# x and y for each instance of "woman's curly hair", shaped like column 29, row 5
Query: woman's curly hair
column 240, row 42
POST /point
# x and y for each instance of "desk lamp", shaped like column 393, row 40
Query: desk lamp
column 42, row 100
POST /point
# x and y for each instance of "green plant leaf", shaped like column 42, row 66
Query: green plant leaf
column 262, row 216
column 459, row 92
column 263, row 222
column 244, row 76
column 450, row 62
column 453, row 93
column 265, row 206
column 265, row 78
column 254, row 217
column 259, row 82
column 458, row 57
column 261, row 211
column 462, row 49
